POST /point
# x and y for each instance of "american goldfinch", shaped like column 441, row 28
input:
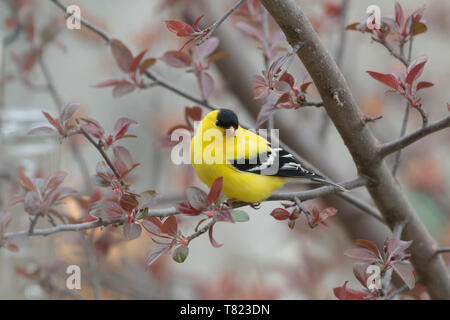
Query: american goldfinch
column 251, row 169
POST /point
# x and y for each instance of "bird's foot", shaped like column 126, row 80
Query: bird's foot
column 256, row 205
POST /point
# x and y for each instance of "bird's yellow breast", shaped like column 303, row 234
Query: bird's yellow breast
column 211, row 153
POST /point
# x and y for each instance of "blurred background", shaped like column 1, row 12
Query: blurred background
column 260, row 259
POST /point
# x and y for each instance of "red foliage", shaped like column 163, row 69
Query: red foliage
column 134, row 66
column 404, row 83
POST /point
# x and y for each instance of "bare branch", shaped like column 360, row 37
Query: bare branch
column 405, row 141
column 201, row 231
column 99, row 148
column 160, row 213
column 84, row 22
column 210, row 30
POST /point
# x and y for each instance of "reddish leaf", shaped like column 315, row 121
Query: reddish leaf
column 423, row 85
column 148, row 199
column 123, row 125
column 415, row 68
column 217, row 56
column 52, row 121
column 223, row 215
column 196, row 22
column 106, row 210
column 123, row 88
column 147, row 63
column 360, row 272
column 261, row 92
column 211, row 238
column 180, row 28
column 305, row 86
column 280, row 214
column 207, row 47
column 32, row 203
column 206, row 84
column 131, row 231
column 128, row 202
column 214, row 192
column 156, row 253
column 344, row 293
column 176, row 59
column 399, row 17
column 395, row 246
column 170, row 226
column 193, row 114
column 288, row 78
column 388, row 79
column 369, row 245
column 122, row 54
column 197, row 198
column 185, row 208
column 108, row 83
column 54, row 180
column 137, row 61
column 121, row 153
column 353, row 26
column 43, row 130
column 362, row 254
column 25, row 181
column 405, row 271
column 68, row 110
column 154, row 226
column 93, row 128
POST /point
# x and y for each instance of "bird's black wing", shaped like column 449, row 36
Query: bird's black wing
column 277, row 162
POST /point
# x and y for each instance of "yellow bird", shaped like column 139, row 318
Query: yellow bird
column 251, row 169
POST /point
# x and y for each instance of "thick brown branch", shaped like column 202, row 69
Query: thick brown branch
column 361, row 143
column 405, row 141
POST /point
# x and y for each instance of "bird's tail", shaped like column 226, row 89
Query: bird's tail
column 324, row 181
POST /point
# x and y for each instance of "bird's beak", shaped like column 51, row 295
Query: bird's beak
column 230, row 132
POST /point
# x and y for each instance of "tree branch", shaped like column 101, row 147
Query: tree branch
column 361, row 143
column 405, row 141
column 102, row 152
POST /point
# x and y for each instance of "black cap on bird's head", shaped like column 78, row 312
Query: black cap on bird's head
column 226, row 119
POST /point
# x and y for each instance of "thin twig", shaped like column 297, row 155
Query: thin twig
column 408, row 106
column 303, row 209
column 440, row 251
column 210, row 30
column 405, row 141
column 33, row 222
column 392, row 52
column 201, row 231
column 99, row 148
